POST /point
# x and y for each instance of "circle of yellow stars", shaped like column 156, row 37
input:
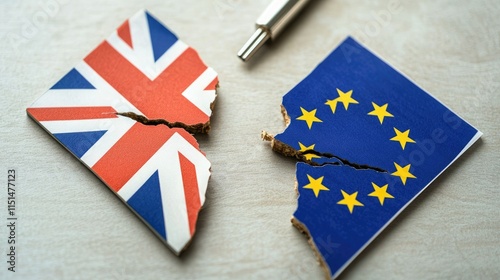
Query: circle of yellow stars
column 379, row 111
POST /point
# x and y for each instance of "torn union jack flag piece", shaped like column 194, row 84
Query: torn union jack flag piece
column 102, row 110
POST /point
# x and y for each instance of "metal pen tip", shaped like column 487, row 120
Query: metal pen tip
column 259, row 37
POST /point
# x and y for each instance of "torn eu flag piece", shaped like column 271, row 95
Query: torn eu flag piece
column 377, row 141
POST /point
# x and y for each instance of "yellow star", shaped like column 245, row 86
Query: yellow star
column 380, row 112
column 402, row 137
column 380, row 192
column 350, row 200
column 316, row 185
column 309, row 117
column 332, row 103
column 344, row 97
column 303, row 149
column 403, row 172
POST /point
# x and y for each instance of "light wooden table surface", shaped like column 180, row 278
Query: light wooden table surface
column 72, row 227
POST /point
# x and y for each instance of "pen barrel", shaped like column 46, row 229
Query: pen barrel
column 278, row 14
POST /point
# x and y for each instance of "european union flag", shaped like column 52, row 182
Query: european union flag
column 377, row 141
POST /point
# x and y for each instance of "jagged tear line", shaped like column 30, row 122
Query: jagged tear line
column 193, row 129
column 312, row 163
column 344, row 161
column 203, row 128
column 287, row 150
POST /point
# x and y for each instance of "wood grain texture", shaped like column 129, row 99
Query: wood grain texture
column 72, row 227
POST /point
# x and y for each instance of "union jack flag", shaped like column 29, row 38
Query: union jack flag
column 159, row 172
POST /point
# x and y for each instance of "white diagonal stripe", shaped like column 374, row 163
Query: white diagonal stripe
column 103, row 94
column 166, row 161
column 174, row 202
column 141, row 38
column 141, row 55
column 117, row 128
column 107, row 92
column 201, row 164
column 130, row 54
column 197, row 94
column 169, row 56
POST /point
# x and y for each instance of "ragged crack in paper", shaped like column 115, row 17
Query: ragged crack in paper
column 289, row 151
column 203, row 128
column 193, row 129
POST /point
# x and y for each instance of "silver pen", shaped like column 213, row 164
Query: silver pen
column 270, row 24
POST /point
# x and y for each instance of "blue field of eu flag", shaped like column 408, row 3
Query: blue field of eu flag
column 372, row 140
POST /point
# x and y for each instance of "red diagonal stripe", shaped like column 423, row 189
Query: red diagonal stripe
column 193, row 203
column 124, row 33
column 158, row 99
column 213, row 84
column 71, row 113
column 130, row 153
